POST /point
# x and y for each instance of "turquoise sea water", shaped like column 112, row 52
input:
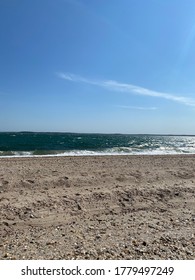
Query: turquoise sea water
column 40, row 144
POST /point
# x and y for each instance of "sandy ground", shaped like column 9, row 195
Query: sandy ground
column 110, row 207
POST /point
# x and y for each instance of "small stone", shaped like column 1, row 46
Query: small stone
column 135, row 243
column 30, row 181
column 98, row 236
column 50, row 242
column 79, row 206
column 5, row 182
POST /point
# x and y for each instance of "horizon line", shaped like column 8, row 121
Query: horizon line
column 107, row 133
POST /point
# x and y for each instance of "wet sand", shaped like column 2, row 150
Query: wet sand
column 98, row 207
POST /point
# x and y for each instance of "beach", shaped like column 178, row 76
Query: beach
column 97, row 207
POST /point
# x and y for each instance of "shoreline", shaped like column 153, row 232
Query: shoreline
column 98, row 207
column 95, row 155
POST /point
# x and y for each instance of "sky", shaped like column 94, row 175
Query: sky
column 100, row 66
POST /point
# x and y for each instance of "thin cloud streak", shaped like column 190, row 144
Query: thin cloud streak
column 137, row 107
column 129, row 88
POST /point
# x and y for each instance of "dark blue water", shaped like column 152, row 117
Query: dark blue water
column 33, row 144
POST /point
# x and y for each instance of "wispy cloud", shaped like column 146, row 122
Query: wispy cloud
column 77, row 78
column 129, row 88
column 137, row 107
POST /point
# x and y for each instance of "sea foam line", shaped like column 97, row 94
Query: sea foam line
column 109, row 152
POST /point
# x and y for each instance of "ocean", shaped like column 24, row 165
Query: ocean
column 25, row 144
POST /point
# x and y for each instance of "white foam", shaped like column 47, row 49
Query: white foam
column 116, row 151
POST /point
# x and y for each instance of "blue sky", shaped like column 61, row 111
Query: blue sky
column 123, row 66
